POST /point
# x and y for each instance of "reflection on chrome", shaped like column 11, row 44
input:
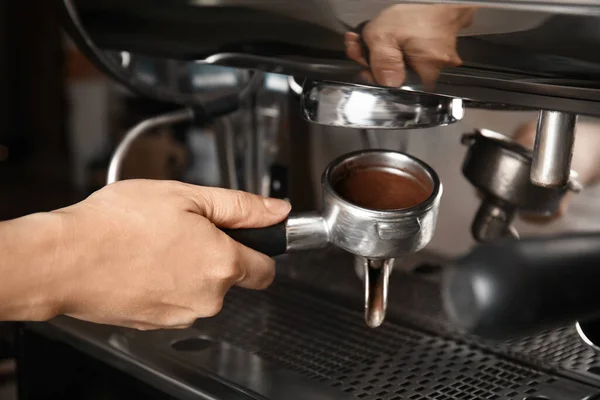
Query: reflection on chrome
column 363, row 107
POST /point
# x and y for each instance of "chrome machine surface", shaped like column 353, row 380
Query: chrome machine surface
column 363, row 107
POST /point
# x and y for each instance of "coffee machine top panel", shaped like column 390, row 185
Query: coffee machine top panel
column 535, row 53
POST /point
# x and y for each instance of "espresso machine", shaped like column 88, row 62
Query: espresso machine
column 514, row 318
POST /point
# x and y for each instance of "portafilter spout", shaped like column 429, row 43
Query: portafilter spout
column 376, row 281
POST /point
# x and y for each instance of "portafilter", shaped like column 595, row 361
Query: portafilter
column 377, row 204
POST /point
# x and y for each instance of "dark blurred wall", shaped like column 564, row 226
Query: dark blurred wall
column 32, row 75
column 34, row 162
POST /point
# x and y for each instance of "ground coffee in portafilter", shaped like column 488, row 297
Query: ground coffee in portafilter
column 381, row 189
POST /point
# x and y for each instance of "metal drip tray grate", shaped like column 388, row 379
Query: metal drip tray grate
column 417, row 303
column 330, row 343
column 560, row 348
column 435, row 370
column 293, row 342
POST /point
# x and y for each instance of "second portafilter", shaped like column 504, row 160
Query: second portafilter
column 500, row 169
column 378, row 205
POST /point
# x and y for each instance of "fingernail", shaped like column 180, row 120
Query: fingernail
column 277, row 206
column 391, row 78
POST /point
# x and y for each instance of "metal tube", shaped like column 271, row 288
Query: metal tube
column 493, row 221
column 553, row 151
column 254, row 152
column 377, row 276
column 116, row 162
column 224, row 137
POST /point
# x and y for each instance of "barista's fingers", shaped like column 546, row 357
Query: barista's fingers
column 354, row 52
column 367, row 77
column 429, row 56
column 386, row 60
column 257, row 270
column 236, row 209
column 354, row 49
column 429, row 65
column 428, row 72
column 351, row 37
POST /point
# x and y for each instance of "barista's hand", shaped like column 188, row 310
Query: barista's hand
column 148, row 254
column 420, row 36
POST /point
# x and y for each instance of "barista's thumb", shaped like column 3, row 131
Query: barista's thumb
column 235, row 209
column 387, row 61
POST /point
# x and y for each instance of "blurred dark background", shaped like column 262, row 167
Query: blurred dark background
column 34, row 145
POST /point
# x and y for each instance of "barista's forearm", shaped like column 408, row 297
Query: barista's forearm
column 29, row 273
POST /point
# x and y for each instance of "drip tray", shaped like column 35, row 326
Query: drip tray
column 330, row 344
column 295, row 342
column 266, row 343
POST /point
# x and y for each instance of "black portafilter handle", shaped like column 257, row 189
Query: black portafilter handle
column 511, row 289
column 271, row 240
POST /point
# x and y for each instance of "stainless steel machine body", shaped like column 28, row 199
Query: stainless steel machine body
column 304, row 337
column 536, row 54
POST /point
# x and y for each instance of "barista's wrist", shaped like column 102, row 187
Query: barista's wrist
column 30, row 267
